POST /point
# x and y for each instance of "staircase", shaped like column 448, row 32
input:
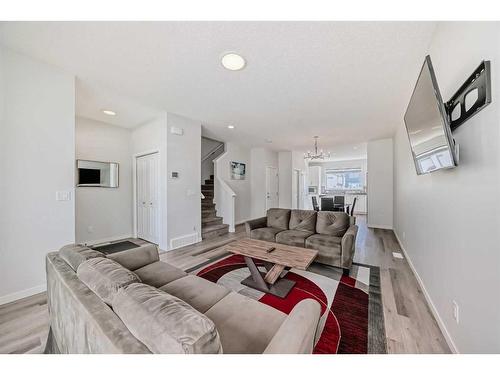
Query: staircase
column 211, row 225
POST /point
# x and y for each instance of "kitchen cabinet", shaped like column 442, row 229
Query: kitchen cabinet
column 361, row 206
column 315, row 176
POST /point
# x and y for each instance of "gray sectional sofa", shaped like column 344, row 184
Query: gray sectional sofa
column 131, row 302
column 332, row 233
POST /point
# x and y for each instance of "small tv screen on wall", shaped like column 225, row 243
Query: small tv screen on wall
column 89, row 176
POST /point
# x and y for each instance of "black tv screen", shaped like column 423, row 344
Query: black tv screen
column 427, row 124
column 89, row 176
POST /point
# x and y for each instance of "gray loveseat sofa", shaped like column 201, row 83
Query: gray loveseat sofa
column 131, row 302
column 333, row 234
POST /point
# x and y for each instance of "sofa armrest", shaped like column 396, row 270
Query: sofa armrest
column 297, row 333
column 348, row 246
column 250, row 225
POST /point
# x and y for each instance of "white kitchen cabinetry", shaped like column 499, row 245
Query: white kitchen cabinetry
column 315, row 176
column 360, row 207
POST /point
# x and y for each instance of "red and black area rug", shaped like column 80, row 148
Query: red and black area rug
column 352, row 317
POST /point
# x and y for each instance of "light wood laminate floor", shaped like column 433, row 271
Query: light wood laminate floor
column 409, row 324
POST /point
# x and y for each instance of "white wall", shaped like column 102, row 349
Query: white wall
column 298, row 163
column 152, row 137
column 448, row 221
column 285, row 179
column 104, row 214
column 288, row 162
column 380, row 184
column 260, row 159
column 37, row 155
column 242, row 188
column 184, row 192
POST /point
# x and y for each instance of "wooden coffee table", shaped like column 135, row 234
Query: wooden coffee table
column 282, row 258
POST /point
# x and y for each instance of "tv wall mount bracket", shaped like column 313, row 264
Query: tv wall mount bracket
column 480, row 81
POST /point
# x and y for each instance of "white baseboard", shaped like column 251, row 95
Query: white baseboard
column 242, row 222
column 380, row 226
column 107, row 239
column 185, row 240
column 432, row 307
column 22, row 294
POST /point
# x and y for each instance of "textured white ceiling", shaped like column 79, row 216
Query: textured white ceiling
column 347, row 82
column 91, row 100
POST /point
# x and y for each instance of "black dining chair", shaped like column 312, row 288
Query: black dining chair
column 353, row 205
column 338, row 203
column 327, row 204
column 315, row 203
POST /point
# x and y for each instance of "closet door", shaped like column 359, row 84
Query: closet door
column 147, row 197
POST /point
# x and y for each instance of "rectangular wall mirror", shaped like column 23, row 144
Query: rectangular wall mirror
column 97, row 173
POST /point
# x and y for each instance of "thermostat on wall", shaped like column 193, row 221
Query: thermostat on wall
column 176, row 130
column 175, row 174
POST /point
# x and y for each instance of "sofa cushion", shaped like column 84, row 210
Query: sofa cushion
column 278, row 218
column 265, row 234
column 199, row 293
column 329, row 249
column 323, row 242
column 75, row 255
column 303, row 220
column 164, row 323
column 245, row 325
column 137, row 257
column 159, row 273
column 105, row 277
column 332, row 223
column 293, row 237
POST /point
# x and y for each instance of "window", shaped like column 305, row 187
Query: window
column 343, row 179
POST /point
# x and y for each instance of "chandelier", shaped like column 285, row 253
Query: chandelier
column 316, row 155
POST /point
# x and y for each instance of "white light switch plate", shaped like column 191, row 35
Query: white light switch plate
column 397, row 255
column 63, row 195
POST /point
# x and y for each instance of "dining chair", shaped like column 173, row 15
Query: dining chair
column 338, row 203
column 327, row 204
column 353, row 205
column 315, row 203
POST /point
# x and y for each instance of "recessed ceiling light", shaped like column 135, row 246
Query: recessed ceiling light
column 230, row 126
column 109, row 112
column 233, row 61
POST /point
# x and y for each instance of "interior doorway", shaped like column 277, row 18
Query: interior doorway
column 271, row 187
column 147, row 197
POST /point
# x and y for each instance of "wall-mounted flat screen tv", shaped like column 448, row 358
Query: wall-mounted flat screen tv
column 89, row 176
column 428, row 126
column 96, row 174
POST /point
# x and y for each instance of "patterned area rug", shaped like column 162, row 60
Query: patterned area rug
column 352, row 319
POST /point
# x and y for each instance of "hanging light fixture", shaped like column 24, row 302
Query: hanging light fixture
column 316, row 155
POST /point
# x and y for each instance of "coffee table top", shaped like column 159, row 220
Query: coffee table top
column 288, row 256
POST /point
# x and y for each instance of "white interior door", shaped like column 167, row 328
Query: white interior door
column 271, row 187
column 147, row 197
column 296, row 189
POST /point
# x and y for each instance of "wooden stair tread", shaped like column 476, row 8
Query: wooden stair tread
column 211, row 228
column 208, row 220
column 211, row 225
